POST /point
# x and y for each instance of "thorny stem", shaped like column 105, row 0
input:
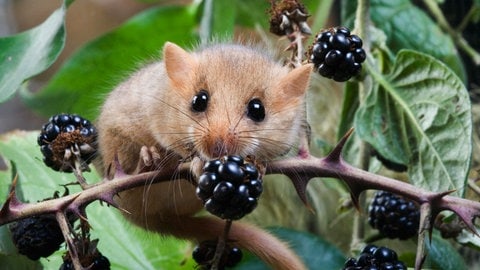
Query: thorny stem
column 299, row 169
column 456, row 36
column 222, row 240
column 104, row 191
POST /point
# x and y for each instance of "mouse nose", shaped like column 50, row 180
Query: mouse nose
column 220, row 146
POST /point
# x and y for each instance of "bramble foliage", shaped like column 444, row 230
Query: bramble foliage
column 409, row 104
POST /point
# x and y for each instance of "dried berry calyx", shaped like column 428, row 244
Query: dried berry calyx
column 373, row 257
column 204, row 253
column 337, row 54
column 65, row 138
column 394, row 216
column 284, row 14
column 229, row 187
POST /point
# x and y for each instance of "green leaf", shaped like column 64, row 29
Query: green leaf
column 31, row 52
column 125, row 246
column 313, row 250
column 19, row 262
column 135, row 248
column 442, row 255
column 349, row 107
column 95, row 69
column 408, row 27
column 419, row 115
column 218, row 20
column 35, row 180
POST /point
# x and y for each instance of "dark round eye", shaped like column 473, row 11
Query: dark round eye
column 200, row 101
column 256, row 110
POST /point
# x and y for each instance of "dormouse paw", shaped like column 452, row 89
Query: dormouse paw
column 150, row 159
column 196, row 167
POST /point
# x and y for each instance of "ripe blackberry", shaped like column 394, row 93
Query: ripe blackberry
column 337, row 54
column 229, row 187
column 394, row 216
column 204, row 252
column 37, row 236
column 62, row 137
column 373, row 257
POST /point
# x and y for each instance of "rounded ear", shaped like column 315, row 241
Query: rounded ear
column 296, row 82
column 179, row 64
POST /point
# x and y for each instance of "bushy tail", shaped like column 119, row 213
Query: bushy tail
column 261, row 243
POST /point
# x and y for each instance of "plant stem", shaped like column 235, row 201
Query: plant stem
column 65, row 228
column 456, row 36
column 321, row 15
column 206, row 22
column 466, row 20
column 424, row 228
column 222, row 240
column 474, row 186
column 362, row 20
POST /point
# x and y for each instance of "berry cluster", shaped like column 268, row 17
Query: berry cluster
column 62, row 136
column 337, row 54
column 373, row 257
column 229, row 187
column 394, row 216
column 37, row 236
column 204, row 252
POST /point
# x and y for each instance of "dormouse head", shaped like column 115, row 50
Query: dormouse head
column 234, row 99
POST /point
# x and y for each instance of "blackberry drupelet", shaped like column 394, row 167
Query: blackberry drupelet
column 394, row 216
column 373, row 257
column 204, row 252
column 229, row 187
column 38, row 236
column 337, row 54
column 62, row 137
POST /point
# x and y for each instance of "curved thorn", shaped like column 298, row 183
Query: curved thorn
column 300, row 183
column 336, row 153
column 439, row 195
